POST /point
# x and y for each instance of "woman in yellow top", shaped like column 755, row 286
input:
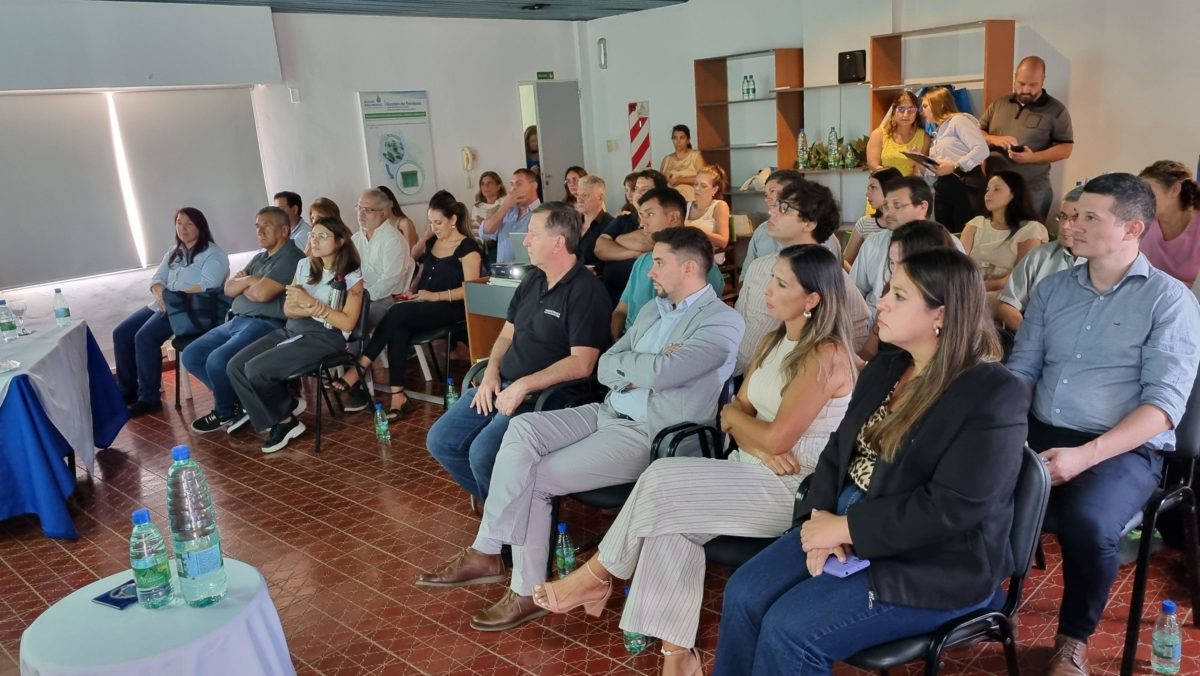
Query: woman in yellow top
column 681, row 166
column 898, row 133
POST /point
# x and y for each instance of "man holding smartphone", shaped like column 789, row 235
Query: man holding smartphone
column 1029, row 130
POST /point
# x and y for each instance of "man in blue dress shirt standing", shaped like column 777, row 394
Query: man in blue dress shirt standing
column 1110, row 350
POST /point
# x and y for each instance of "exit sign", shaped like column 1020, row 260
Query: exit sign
column 545, row 75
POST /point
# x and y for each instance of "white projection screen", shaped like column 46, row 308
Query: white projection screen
column 62, row 216
column 197, row 148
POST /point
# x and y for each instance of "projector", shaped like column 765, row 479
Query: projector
column 510, row 270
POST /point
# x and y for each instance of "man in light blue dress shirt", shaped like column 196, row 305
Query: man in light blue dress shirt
column 1110, row 349
column 512, row 215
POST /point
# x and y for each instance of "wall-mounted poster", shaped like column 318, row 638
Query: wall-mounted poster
column 399, row 143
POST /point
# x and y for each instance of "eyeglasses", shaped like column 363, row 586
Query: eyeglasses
column 785, row 207
column 1064, row 217
column 323, row 236
column 905, row 110
column 896, row 206
column 360, row 207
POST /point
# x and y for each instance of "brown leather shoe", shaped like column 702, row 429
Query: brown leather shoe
column 1070, row 657
column 510, row 611
column 468, row 567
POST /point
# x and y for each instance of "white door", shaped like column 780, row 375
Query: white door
column 560, row 133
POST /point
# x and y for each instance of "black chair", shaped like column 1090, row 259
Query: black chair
column 1029, row 509
column 342, row 358
column 1175, row 490
column 179, row 345
column 449, row 334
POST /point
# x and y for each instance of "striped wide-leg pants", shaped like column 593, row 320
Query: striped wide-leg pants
column 678, row 505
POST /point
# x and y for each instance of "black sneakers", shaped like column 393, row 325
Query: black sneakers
column 281, row 434
column 213, row 422
column 357, row 399
column 239, row 418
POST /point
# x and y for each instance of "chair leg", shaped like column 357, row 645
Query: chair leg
column 321, row 393
column 449, row 349
column 1010, row 647
column 178, row 377
column 1039, row 557
column 1137, row 601
column 1191, row 557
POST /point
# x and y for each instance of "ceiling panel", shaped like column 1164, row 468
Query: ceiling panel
column 550, row 10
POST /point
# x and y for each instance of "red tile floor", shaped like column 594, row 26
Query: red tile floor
column 341, row 536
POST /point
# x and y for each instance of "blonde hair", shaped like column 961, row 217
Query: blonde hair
column 941, row 104
column 718, row 176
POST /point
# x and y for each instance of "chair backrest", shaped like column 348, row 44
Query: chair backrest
column 1029, row 510
column 1187, row 432
column 359, row 333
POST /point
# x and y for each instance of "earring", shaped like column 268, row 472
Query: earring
column 808, row 314
column 937, row 331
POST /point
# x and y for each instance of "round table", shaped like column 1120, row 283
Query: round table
column 239, row 635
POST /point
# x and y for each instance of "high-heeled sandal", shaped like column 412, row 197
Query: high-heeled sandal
column 592, row 605
column 699, row 670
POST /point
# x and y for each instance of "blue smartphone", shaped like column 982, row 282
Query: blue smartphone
column 846, row 568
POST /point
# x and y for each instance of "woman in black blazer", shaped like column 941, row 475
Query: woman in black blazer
column 918, row 480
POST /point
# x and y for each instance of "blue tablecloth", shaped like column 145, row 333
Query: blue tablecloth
column 34, row 476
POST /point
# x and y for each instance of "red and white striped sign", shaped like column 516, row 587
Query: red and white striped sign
column 639, row 135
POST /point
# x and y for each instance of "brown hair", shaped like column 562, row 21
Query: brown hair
column 325, row 207
column 345, row 260
column 941, row 104
column 890, row 127
column 479, row 199
column 1167, row 173
column 949, row 279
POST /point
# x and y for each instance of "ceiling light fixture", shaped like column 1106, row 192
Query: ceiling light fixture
column 535, row 6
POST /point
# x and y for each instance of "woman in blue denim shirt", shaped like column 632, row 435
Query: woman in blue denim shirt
column 193, row 265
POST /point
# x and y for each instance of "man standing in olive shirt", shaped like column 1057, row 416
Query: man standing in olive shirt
column 558, row 323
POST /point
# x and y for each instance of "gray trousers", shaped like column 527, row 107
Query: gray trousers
column 678, row 505
column 549, row 454
column 259, row 372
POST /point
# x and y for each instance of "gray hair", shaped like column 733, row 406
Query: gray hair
column 278, row 215
column 592, row 181
column 563, row 220
column 380, row 197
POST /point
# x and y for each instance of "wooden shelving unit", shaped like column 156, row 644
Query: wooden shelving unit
column 888, row 76
column 713, row 103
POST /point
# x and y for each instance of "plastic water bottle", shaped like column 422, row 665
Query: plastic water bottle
column 564, row 551
column 194, row 534
column 835, row 154
column 383, row 431
column 753, row 88
column 8, row 322
column 1167, row 649
column 802, row 150
column 451, row 393
column 62, row 312
column 148, row 558
column 634, row 642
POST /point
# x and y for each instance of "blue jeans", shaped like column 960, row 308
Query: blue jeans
column 778, row 619
column 208, row 355
column 466, row 442
column 137, row 346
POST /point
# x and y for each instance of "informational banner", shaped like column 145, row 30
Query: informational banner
column 639, row 135
column 399, row 143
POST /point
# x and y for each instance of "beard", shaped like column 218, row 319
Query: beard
column 1025, row 99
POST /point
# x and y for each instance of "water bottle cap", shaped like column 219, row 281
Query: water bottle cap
column 1168, row 607
column 58, row 291
column 450, row 382
column 180, row 453
column 378, row 406
column 562, row 526
column 3, row 302
column 627, row 588
column 141, row 515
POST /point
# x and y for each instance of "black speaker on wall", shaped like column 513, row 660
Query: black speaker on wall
column 852, row 66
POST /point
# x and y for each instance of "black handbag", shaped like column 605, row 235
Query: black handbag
column 192, row 314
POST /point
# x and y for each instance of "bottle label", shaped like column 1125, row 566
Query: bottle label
column 200, row 562
column 62, row 313
column 8, row 325
column 151, row 572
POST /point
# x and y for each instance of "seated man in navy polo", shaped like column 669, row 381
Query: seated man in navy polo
column 1110, row 349
column 257, row 293
column 557, row 327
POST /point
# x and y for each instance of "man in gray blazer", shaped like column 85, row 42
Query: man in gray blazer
column 670, row 367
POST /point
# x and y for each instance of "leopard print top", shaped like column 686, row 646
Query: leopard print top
column 862, row 462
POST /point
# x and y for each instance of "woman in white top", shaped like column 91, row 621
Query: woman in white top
column 398, row 219
column 708, row 211
column 997, row 241
column 487, row 200
column 682, row 165
column 869, row 225
column 320, row 320
column 794, row 395
column 194, row 265
column 960, row 149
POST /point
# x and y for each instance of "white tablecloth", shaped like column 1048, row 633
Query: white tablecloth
column 239, row 636
column 55, row 359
